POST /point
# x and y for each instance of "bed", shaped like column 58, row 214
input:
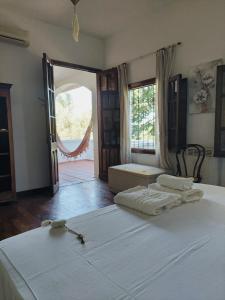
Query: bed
column 179, row 254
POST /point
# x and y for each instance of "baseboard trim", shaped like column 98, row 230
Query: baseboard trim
column 33, row 192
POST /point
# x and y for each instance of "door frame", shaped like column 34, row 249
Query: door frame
column 96, row 71
column 49, row 92
column 109, row 153
column 69, row 65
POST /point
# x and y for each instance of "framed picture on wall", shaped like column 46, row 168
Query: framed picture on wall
column 202, row 87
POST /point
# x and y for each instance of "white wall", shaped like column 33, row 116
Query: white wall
column 200, row 26
column 23, row 68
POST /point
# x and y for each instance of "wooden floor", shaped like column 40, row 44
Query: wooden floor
column 70, row 201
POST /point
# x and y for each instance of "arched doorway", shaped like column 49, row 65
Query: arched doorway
column 75, row 104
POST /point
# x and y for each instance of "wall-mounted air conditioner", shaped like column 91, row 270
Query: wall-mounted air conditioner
column 14, row 35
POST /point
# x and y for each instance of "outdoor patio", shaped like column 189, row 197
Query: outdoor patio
column 74, row 172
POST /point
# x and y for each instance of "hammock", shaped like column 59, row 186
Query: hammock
column 80, row 149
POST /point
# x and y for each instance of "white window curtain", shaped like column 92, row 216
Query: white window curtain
column 164, row 67
column 125, row 151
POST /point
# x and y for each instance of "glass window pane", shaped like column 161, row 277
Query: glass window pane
column 142, row 108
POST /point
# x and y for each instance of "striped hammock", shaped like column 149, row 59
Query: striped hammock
column 80, row 149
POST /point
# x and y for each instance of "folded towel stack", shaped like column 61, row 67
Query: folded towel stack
column 168, row 192
column 177, row 185
column 147, row 201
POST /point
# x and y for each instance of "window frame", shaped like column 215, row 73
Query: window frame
column 132, row 86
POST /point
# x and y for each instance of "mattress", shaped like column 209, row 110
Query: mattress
column 177, row 255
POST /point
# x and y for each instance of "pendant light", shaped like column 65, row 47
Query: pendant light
column 75, row 22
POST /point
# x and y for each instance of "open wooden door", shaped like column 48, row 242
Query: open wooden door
column 51, row 122
column 108, row 121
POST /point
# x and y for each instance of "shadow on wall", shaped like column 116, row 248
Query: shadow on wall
column 23, row 69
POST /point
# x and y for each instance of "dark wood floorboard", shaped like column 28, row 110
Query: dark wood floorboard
column 70, row 201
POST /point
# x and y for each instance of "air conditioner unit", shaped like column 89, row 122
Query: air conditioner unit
column 14, row 35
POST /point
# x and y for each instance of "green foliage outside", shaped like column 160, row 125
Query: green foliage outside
column 142, row 103
column 70, row 125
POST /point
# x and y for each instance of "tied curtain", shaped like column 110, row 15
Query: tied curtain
column 125, row 151
column 82, row 146
column 165, row 59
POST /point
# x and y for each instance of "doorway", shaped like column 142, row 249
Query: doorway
column 76, row 125
column 105, row 113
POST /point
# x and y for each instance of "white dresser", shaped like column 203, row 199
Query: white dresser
column 123, row 177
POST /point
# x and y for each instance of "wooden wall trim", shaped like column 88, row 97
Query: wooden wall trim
column 6, row 86
column 142, row 151
column 141, row 83
column 33, row 192
column 74, row 66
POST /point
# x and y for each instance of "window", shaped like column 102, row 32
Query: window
column 142, row 113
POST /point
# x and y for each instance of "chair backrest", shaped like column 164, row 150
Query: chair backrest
column 180, row 156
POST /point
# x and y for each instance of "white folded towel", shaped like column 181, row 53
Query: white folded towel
column 177, row 183
column 150, row 202
column 187, row 196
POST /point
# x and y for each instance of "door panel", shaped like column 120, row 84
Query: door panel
column 219, row 142
column 51, row 122
column 177, row 112
column 109, row 121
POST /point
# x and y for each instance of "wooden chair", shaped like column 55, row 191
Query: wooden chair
column 180, row 156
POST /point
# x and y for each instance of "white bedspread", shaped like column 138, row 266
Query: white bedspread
column 177, row 255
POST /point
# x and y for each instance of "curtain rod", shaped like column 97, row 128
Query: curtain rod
column 151, row 53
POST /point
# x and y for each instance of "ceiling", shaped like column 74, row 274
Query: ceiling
column 101, row 18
